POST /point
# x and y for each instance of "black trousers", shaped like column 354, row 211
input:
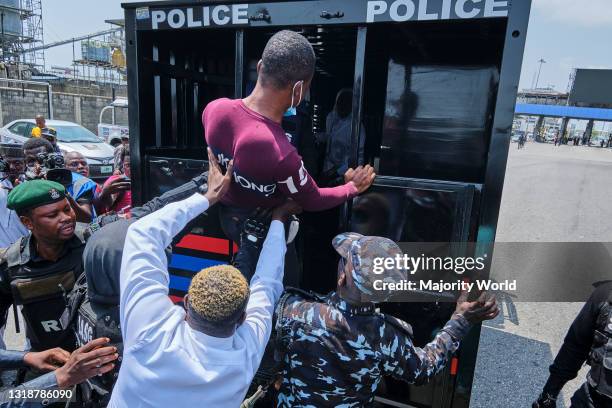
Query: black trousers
column 587, row 397
column 232, row 221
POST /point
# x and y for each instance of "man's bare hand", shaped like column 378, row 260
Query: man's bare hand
column 47, row 360
column 286, row 210
column 218, row 183
column 114, row 187
column 361, row 177
column 484, row 308
column 87, row 361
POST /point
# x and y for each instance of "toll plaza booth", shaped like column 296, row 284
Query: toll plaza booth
column 434, row 85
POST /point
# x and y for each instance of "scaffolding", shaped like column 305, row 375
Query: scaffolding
column 33, row 31
column 21, row 29
column 102, row 58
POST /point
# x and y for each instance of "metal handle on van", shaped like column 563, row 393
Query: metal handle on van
column 328, row 16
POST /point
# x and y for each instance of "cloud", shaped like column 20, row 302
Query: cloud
column 583, row 13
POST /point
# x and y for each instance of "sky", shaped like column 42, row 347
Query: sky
column 567, row 34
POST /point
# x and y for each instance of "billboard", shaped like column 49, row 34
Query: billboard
column 592, row 87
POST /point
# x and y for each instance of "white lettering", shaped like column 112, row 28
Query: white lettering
column 85, row 331
column 462, row 13
column 242, row 181
column 157, row 16
column 216, row 15
column 303, row 175
column 377, row 284
column 394, row 10
column 290, row 185
column 240, row 14
column 190, row 20
column 376, row 8
column 206, row 14
column 176, row 18
column 378, row 268
column 50, row 325
column 423, row 15
column 490, row 5
column 446, row 9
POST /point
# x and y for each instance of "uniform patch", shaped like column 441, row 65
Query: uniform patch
column 54, row 194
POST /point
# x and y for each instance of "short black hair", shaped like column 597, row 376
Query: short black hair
column 24, row 212
column 287, row 59
column 36, row 142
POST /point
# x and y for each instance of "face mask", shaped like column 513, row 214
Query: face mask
column 292, row 111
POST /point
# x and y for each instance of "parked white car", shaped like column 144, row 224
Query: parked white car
column 70, row 137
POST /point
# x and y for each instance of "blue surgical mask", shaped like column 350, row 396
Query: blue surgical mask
column 292, row 111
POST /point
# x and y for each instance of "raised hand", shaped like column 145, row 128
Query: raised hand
column 484, row 308
column 361, row 177
column 218, row 183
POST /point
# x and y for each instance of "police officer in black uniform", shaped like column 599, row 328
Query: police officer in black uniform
column 39, row 269
column 588, row 339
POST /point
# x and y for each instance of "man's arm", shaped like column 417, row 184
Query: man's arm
column 296, row 183
column 577, row 343
column 144, row 271
column 9, row 398
column 417, row 365
column 82, row 209
column 198, row 184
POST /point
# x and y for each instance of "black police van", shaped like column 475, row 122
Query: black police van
column 434, row 85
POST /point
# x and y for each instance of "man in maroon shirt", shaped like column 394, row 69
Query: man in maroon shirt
column 267, row 168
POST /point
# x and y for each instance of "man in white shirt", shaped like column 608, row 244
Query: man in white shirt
column 205, row 356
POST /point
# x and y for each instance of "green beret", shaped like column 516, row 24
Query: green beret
column 35, row 193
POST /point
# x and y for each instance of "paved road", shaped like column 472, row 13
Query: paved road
column 551, row 194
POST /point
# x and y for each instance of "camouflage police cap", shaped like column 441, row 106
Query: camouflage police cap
column 366, row 252
column 35, row 193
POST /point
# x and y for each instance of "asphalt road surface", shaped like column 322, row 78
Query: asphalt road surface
column 551, row 194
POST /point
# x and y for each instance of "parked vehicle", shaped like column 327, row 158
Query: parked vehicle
column 112, row 133
column 70, row 137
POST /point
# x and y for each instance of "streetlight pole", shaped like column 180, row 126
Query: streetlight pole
column 541, row 61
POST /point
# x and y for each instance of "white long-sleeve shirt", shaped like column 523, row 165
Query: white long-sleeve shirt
column 165, row 362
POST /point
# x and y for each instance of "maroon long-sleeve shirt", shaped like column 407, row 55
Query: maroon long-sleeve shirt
column 267, row 168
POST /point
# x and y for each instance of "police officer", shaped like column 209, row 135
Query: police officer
column 39, row 269
column 336, row 348
column 589, row 339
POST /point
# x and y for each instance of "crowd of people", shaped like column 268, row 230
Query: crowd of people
column 86, row 269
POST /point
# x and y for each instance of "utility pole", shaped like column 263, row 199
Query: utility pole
column 541, row 61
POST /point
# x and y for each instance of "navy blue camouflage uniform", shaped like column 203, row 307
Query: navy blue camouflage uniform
column 337, row 354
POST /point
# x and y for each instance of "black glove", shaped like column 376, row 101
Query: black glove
column 252, row 236
column 255, row 229
column 545, row 401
